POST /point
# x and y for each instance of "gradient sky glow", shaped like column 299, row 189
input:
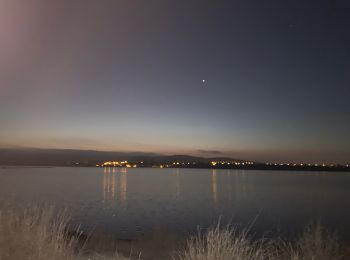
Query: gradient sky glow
column 127, row 76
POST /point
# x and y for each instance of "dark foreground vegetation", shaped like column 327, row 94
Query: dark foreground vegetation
column 41, row 233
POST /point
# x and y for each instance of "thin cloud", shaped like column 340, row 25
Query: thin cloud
column 211, row 152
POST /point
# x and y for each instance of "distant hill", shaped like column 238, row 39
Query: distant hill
column 69, row 157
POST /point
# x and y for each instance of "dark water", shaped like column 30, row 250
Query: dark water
column 130, row 203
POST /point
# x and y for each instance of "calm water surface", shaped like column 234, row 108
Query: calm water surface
column 130, row 203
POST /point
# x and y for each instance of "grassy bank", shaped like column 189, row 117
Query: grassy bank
column 41, row 233
column 228, row 244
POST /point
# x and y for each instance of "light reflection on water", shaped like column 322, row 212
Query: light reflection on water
column 214, row 185
column 114, row 187
column 129, row 202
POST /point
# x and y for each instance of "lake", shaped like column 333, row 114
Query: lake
column 133, row 203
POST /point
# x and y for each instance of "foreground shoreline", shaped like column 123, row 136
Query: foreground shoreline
column 42, row 232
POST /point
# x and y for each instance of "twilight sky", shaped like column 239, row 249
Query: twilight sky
column 127, row 76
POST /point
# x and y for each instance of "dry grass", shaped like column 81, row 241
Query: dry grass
column 40, row 233
column 318, row 244
column 35, row 234
column 229, row 244
column 223, row 244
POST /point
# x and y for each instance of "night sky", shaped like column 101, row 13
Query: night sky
column 128, row 76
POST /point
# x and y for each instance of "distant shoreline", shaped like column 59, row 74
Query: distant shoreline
column 258, row 167
column 66, row 157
